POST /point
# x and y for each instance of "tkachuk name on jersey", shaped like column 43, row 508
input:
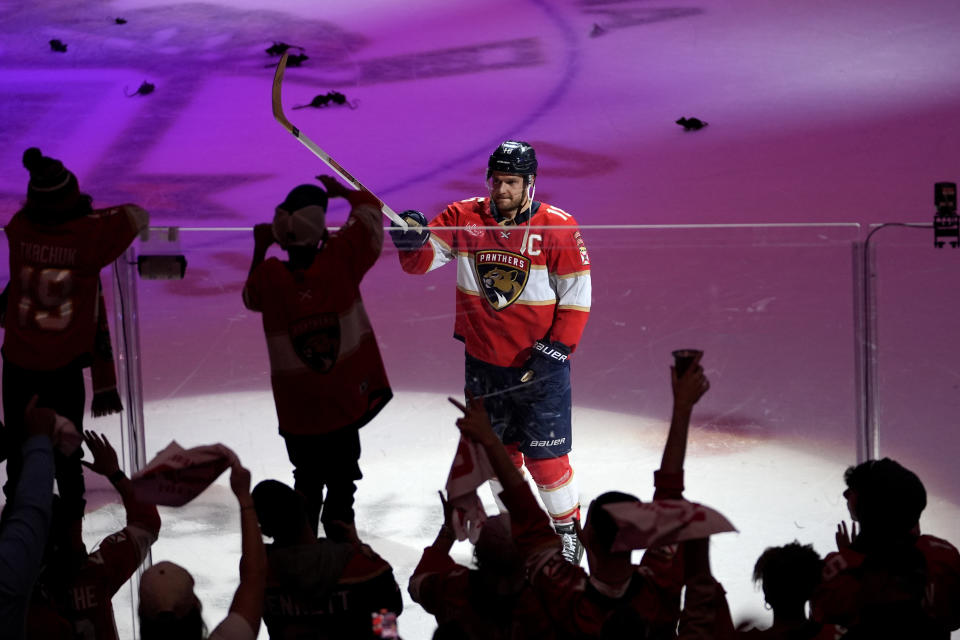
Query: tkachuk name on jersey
column 48, row 254
column 547, row 443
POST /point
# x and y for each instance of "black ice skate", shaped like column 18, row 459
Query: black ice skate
column 572, row 547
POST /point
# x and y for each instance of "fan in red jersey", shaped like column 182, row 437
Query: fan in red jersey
column 325, row 367
column 523, row 298
column 888, row 580
column 58, row 245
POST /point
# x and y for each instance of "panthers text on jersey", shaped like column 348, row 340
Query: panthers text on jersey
column 516, row 284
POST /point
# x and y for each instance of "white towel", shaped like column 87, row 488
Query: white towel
column 644, row 525
column 470, row 469
column 177, row 475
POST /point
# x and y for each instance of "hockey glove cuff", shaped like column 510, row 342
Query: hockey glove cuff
column 546, row 359
column 412, row 237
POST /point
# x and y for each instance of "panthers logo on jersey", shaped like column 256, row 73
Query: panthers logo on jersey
column 502, row 276
column 317, row 341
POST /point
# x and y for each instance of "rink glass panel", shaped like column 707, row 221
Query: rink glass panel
column 918, row 355
column 771, row 307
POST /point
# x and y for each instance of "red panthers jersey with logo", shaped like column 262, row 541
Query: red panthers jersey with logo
column 516, row 284
column 325, row 365
column 51, row 316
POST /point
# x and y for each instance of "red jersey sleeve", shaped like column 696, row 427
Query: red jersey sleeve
column 569, row 266
column 112, row 230
column 120, row 554
column 560, row 585
column 361, row 239
column 439, row 249
column 942, row 598
column 439, row 584
column 837, row 598
column 253, row 289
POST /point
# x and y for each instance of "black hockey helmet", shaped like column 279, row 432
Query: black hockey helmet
column 513, row 156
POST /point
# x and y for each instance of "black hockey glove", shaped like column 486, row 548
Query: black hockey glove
column 412, row 237
column 546, row 358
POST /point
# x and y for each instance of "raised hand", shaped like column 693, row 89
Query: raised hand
column 475, row 423
column 447, row 511
column 336, row 190
column 415, row 235
column 240, row 480
column 263, row 235
column 690, row 387
column 844, row 537
column 333, row 186
column 105, row 460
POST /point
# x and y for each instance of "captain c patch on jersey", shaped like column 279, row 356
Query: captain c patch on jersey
column 502, row 276
column 316, row 340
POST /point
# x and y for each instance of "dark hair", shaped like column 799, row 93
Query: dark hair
column 495, row 551
column 604, row 528
column 788, row 574
column 165, row 626
column 889, row 497
column 281, row 510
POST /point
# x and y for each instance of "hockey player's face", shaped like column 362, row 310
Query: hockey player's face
column 507, row 191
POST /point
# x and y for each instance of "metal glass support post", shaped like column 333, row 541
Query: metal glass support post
column 127, row 321
column 865, row 326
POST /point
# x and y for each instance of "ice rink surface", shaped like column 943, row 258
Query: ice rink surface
column 822, row 117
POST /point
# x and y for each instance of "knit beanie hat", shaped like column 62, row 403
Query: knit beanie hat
column 52, row 186
column 300, row 220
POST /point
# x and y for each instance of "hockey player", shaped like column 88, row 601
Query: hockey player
column 523, row 297
column 617, row 599
column 58, row 245
column 325, row 368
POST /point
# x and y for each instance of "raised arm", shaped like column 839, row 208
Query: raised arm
column 475, row 424
column 363, row 231
column 27, row 518
column 248, row 599
column 105, row 462
column 262, row 239
column 687, row 390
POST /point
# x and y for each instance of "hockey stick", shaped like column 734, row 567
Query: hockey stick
column 317, row 151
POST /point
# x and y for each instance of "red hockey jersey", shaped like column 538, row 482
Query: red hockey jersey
column 516, row 284
column 51, row 316
column 326, row 590
column 844, row 591
column 325, row 365
column 575, row 605
column 88, row 605
column 454, row 593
